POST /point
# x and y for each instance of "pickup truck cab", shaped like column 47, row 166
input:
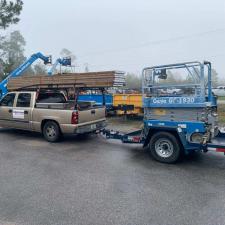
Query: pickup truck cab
column 50, row 113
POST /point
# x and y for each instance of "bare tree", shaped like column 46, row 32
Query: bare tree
column 133, row 81
column 67, row 53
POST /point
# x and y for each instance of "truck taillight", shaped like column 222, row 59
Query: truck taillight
column 75, row 117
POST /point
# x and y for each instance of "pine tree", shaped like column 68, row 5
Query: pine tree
column 9, row 12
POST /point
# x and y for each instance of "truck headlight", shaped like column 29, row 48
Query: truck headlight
column 196, row 138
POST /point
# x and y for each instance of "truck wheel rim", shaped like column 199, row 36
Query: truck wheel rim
column 50, row 131
column 164, row 148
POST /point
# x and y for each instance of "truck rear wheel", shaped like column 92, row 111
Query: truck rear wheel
column 51, row 131
column 164, row 147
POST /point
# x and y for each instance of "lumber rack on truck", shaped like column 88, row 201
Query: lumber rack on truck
column 52, row 87
column 74, row 89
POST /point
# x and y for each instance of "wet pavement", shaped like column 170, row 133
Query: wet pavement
column 91, row 181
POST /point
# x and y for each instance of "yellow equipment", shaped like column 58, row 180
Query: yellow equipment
column 129, row 104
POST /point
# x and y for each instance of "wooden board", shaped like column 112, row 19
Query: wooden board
column 91, row 79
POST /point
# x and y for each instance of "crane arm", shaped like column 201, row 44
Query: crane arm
column 18, row 71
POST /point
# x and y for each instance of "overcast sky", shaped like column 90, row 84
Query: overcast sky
column 127, row 34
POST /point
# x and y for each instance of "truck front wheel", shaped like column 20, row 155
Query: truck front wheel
column 164, row 147
column 51, row 131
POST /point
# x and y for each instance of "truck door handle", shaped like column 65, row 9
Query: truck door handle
column 93, row 111
column 25, row 112
column 10, row 110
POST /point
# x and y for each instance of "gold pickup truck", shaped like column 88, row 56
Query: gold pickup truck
column 50, row 113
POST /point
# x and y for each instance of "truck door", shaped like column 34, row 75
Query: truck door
column 6, row 106
column 21, row 113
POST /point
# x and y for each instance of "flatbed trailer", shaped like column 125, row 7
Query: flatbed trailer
column 182, row 122
column 217, row 144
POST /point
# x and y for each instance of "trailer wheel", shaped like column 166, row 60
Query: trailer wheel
column 51, row 131
column 164, row 147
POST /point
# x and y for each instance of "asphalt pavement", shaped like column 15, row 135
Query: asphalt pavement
column 90, row 180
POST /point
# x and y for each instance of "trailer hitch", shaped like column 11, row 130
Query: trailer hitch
column 111, row 134
column 132, row 137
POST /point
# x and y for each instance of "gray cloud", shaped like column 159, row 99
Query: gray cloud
column 123, row 34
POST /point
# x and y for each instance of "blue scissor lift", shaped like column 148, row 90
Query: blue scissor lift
column 180, row 112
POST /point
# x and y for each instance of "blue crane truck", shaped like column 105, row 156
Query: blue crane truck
column 180, row 114
column 18, row 71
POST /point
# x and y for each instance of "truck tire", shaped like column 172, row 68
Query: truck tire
column 165, row 147
column 51, row 131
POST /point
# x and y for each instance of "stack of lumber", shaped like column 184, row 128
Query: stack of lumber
column 91, row 79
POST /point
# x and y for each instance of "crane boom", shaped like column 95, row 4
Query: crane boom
column 18, row 71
